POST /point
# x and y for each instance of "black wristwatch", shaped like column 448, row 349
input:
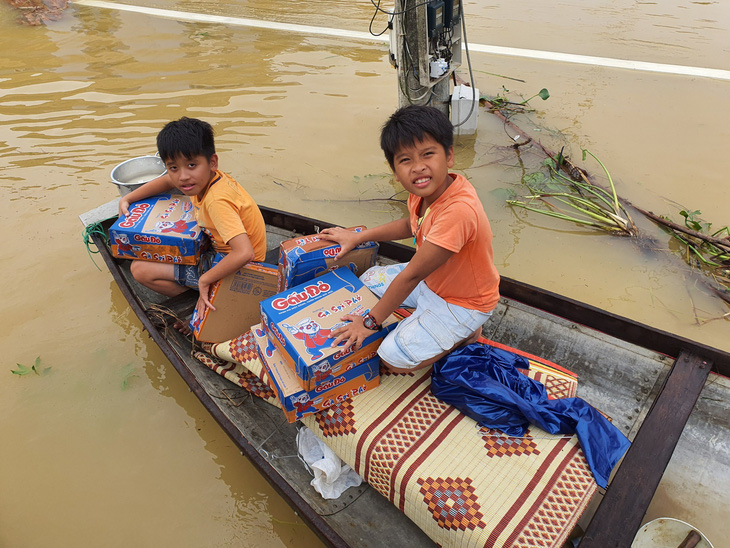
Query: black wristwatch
column 369, row 322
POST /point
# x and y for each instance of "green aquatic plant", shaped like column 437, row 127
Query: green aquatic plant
column 127, row 375
column 502, row 103
column 702, row 248
column 35, row 368
column 575, row 198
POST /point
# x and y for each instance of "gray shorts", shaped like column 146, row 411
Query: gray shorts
column 434, row 327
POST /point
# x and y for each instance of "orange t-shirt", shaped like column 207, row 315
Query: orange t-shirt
column 227, row 210
column 457, row 222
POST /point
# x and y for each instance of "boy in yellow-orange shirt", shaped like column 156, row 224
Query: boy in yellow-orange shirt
column 451, row 281
column 223, row 209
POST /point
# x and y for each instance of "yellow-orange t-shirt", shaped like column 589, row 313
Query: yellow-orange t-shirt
column 456, row 221
column 227, row 210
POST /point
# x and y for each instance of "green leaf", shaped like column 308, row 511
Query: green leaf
column 544, row 94
column 503, row 194
column 22, row 370
column 534, row 178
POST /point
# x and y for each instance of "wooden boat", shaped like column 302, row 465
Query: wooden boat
column 647, row 380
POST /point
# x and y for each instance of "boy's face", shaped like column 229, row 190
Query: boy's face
column 423, row 169
column 191, row 175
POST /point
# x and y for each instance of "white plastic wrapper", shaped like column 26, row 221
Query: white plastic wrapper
column 332, row 477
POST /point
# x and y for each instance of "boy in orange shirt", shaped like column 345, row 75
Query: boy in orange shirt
column 451, row 281
column 223, row 209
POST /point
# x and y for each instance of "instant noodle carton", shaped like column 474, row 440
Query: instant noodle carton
column 304, row 258
column 296, row 402
column 161, row 228
column 236, row 300
column 300, row 320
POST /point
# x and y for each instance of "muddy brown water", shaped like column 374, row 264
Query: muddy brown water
column 109, row 447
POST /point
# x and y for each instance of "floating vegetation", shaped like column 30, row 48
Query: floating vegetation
column 701, row 247
column 128, row 373
column 502, row 104
column 23, row 370
column 575, row 198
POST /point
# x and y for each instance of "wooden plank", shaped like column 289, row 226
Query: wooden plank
column 622, row 509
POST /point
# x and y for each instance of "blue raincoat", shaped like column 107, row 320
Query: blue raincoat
column 483, row 383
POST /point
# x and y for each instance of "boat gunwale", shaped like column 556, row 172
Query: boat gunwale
column 316, row 522
column 587, row 315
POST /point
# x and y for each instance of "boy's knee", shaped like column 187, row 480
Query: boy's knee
column 136, row 269
column 141, row 271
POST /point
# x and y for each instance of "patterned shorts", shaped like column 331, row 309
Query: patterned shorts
column 188, row 275
column 434, row 327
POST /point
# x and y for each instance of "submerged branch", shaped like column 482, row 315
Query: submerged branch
column 719, row 242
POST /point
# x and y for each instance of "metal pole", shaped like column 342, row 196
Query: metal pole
column 411, row 47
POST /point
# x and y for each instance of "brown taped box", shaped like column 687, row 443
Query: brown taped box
column 236, row 300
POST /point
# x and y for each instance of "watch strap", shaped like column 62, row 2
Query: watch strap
column 370, row 323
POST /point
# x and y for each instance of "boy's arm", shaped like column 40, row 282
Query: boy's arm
column 161, row 184
column 427, row 259
column 349, row 240
column 241, row 253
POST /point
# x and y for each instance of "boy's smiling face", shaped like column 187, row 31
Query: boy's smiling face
column 192, row 175
column 423, row 169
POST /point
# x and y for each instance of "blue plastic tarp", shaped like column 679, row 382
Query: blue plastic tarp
column 483, row 383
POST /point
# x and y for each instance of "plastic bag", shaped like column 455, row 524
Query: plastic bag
column 332, row 477
column 483, row 383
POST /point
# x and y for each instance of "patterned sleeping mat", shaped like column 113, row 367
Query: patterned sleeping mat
column 462, row 484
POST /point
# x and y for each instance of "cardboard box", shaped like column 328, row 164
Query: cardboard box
column 297, row 402
column 299, row 322
column 236, row 300
column 161, row 228
column 303, row 259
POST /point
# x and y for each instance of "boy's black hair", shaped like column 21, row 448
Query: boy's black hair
column 187, row 137
column 412, row 123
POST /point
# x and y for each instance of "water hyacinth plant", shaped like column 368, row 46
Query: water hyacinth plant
column 575, row 198
column 702, row 248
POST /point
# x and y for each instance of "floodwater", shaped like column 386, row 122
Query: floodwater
column 109, row 447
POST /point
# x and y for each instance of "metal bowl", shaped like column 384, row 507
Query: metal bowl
column 665, row 532
column 133, row 173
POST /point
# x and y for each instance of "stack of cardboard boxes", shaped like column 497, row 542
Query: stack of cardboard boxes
column 295, row 343
column 295, row 335
column 296, row 304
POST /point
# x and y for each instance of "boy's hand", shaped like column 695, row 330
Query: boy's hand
column 354, row 333
column 204, row 299
column 123, row 206
column 347, row 239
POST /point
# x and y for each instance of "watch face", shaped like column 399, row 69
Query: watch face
column 369, row 322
